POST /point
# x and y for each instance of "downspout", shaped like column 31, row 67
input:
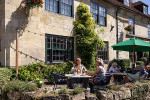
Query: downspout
column 117, row 52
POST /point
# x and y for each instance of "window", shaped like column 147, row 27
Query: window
column 59, row 49
column 127, row 2
column 103, row 52
column 145, row 10
column 148, row 30
column 94, row 11
column 64, row 7
column 131, row 22
column 99, row 13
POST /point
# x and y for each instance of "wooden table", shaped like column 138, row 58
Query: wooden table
column 117, row 76
column 77, row 80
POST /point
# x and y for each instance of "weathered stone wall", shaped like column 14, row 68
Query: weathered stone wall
column 141, row 29
column 40, row 21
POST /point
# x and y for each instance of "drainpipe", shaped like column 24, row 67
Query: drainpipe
column 117, row 52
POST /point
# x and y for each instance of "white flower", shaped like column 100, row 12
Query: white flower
column 41, row 82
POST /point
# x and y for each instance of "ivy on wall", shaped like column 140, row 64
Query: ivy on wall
column 86, row 35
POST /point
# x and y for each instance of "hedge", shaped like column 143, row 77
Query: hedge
column 123, row 64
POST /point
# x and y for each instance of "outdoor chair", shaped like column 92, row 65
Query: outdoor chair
column 59, row 78
column 104, row 85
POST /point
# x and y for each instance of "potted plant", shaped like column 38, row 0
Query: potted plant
column 30, row 4
column 129, row 28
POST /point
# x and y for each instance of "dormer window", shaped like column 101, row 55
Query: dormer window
column 145, row 10
column 127, row 2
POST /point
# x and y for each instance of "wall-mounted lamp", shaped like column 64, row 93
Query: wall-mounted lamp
column 111, row 28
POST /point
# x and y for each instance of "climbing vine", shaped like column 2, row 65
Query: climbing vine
column 86, row 35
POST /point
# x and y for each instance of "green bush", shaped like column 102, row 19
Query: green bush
column 139, row 63
column 20, row 86
column 63, row 91
column 145, row 60
column 39, row 82
column 139, row 92
column 78, row 90
column 5, row 74
column 39, row 70
column 122, row 63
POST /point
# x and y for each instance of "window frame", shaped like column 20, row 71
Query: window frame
column 59, row 8
column 133, row 32
column 107, row 56
column 52, row 50
column 145, row 9
column 149, row 30
column 125, row 3
column 98, row 14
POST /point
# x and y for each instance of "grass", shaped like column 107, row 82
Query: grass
column 63, row 91
column 78, row 90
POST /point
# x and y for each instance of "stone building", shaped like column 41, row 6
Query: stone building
column 46, row 35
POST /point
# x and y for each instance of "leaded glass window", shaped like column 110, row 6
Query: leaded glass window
column 127, row 2
column 59, row 49
column 99, row 13
column 103, row 51
column 64, row 7
column 148, row 30
column 145, row 10
column 132, row 23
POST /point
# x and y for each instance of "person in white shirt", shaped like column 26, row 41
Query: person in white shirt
column 114, row 68
column 78, row 67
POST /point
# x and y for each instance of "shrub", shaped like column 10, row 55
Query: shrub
column 39, row 82
column 33, row 71
column 20, row 86
column 145, row 60
column 122, row 63
column 139, row 63
column 63, row 91
column 139, row 92
column 78, row 90
column 5, row 74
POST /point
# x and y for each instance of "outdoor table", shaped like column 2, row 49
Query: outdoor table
column 77, row 80
column 118, row 75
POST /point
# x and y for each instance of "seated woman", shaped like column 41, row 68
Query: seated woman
column 78, row 68
column 114, row 68
column 98, row 76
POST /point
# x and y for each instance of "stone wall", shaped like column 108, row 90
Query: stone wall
column 141, row 29
column 40, row 21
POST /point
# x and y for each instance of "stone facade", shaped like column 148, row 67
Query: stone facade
column 40, row 21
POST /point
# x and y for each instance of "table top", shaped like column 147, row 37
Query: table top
column 119, row 73
column 77, row 76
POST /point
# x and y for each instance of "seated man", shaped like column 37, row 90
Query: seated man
column 143, row 73
column 136, row 77
column 114, row 68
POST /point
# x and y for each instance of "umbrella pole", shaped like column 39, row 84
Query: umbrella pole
column 133, row 56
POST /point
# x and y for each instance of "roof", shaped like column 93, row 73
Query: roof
column 139, row 3
column 131, row 8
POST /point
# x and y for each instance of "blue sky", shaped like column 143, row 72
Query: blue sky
column 146, row 2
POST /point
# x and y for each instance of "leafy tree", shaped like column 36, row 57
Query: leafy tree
column 86, row 35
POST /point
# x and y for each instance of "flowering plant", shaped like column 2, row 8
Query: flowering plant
column 39, row 82
column 129, row 28
column 30, row 4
